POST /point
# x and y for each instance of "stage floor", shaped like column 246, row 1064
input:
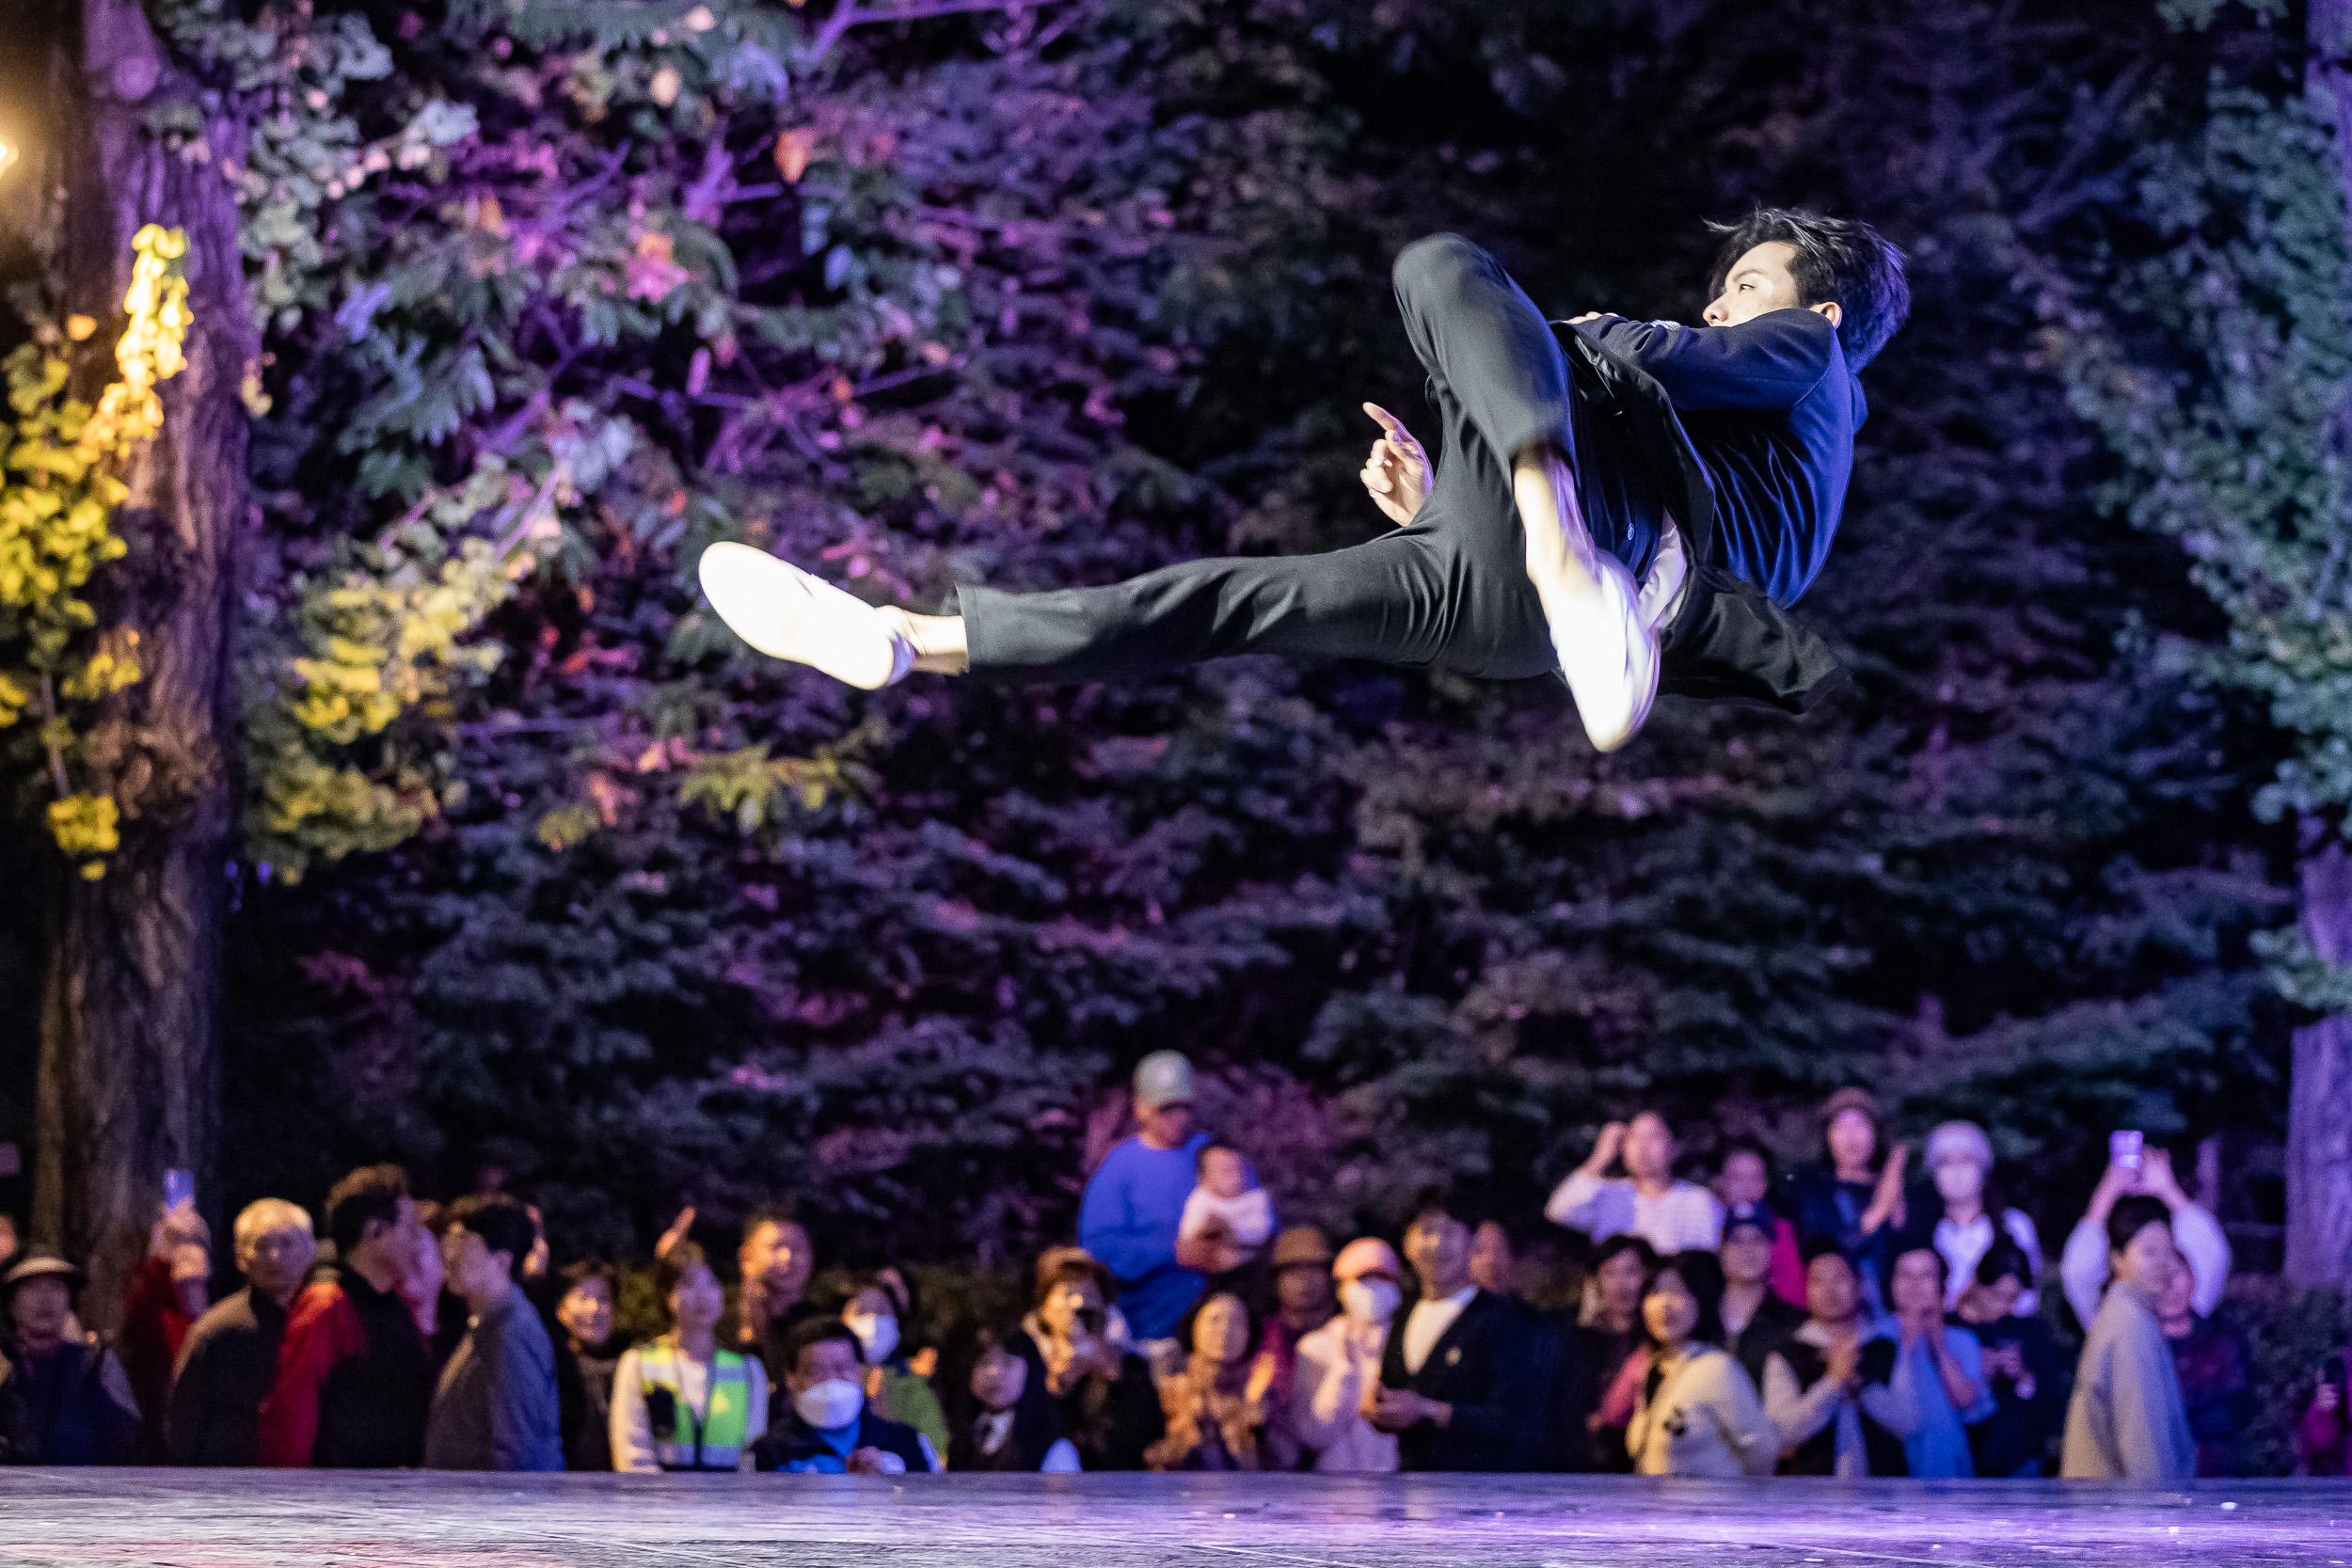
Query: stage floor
column 248, row 1520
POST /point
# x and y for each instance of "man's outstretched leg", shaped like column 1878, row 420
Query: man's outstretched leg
column 1493, row 358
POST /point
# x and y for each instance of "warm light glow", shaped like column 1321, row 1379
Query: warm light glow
column 7, row 156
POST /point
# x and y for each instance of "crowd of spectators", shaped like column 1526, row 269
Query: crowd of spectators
column 1843, row 1319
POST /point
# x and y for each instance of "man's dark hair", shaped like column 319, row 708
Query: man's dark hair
column 1071, row 1265
column 2133, row 1214
column 1836, row 259
column 1730, row 1147
column 674, row 1266
column 777, row 1212
column 370, row 1193
column 1942, row 1264
column 2005, row 1260
column 1703, row 1277
column 504, row 1225
column 816, row 1331
column 573, row 1275
column 1190, row 1323
column 1440, row 1202
column 1814, row 1248
column 1624, row 1242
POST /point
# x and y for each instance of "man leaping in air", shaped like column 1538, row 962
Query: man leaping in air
column 1628, row 504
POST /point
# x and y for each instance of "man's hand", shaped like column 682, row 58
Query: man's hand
column 1204, row 1256
column 1845, row 1362
column 1605, row 1149
column 1396, row 475
column 175, row 1227
column 2156, row 1178
column 1886, row 1203
column 864, row 1461
column 1395, row 1409
column 1589, row 316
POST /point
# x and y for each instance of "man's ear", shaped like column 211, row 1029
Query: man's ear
column 1831, row 309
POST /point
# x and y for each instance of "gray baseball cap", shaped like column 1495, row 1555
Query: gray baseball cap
column 1162, row 1078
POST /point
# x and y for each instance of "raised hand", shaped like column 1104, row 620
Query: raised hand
column 1396, row 474
column 677, row 1233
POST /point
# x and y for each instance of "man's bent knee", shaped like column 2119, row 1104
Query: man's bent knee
column 1439, row 265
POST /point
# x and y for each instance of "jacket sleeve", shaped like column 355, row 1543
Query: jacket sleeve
column 2083, row 1269
column 1576, row 1202
column 1894, row 1404
column 321, row 1331
column 2200, row 1237
column 2143, row 1446
column 1747, row 1432
column 1771, row 362
column 1107, row 1229
column 1509, row 1408
column 632, row 1429
column 1796, row 1413
column 522, row 1402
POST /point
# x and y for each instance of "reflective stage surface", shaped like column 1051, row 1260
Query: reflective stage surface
column 248, row 1520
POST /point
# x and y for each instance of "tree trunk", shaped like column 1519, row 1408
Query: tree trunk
column 2319, row 1098
column 130, row 1021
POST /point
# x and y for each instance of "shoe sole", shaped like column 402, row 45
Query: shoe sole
column 786, row 613
column 1605, row 726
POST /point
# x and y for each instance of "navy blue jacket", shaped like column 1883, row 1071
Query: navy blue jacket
column 1771, row 410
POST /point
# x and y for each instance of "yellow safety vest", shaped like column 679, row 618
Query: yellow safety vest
column 713, row 1440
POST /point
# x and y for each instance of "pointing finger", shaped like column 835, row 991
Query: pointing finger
column 1387, row 420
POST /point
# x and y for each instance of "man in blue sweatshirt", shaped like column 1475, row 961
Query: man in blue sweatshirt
column 1628, row 505
column 1129, row 1215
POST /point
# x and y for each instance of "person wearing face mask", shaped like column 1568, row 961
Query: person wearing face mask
column 827, row 1428
column 681, row 1402
column 1966, row 1219
column 1338, row 1363
column 878, row 1306
column 998, row 1426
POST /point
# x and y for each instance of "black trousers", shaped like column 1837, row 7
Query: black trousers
column 1449, row 589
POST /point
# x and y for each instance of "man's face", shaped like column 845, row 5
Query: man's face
column 1996, row 1300
column 2148, row 1262
column 1649, row 1149
column 1853, row 1141
column 1917, row 1286
column 828, row 1361
column 43, row 1305
column 778, row 1255
column 999, row 1379
column 586, row 1310
column 1744, row 1179
column 275, row 1259
column 1437, row 1248
column 1165, row 1125
column 1303, row 1290
column 1492, row 1266
column 1829, row 1292
column 698, row 1299
column 1758, row 282
column 472, row 1266
column 1747, row 1255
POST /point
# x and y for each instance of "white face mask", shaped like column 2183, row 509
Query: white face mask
column 877, row 1335
column 1370, row 1301
column 830, row 1405
column 1960, row 1179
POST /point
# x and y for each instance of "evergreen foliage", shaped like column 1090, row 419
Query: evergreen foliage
column 559, row 293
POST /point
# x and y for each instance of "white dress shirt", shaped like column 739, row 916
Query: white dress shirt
column 1426, row 1324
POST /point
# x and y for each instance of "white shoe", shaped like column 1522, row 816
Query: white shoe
column 786, row 613
column 1610, row 655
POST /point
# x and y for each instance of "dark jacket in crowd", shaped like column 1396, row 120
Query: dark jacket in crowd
column 1603, row 1448
column 1774, row 1321
column 1109, row 1421
column 354, row 1380
column 2020, row 1437
column 1818, row 1455
column 154, row 1331
column 1496, row 1371
column 583, row 1396
column 496, row 1408
column 225, row 1368
column 795, row 1442
column 2217, row 1386
column 1577, row 1354
column 1828, row 1212
column 72, row 1407
column 1036, row 1428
